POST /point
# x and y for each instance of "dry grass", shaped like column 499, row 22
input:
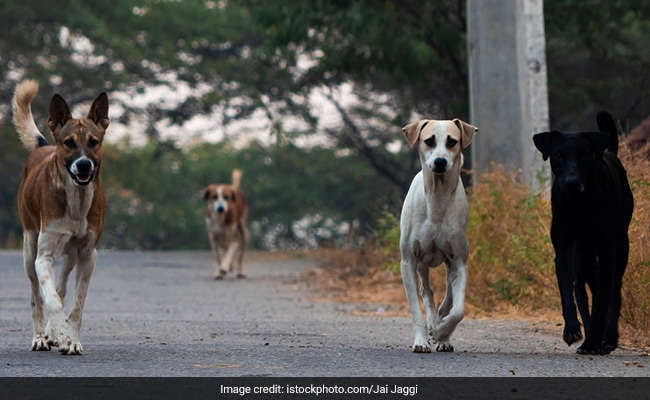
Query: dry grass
column 511, row 262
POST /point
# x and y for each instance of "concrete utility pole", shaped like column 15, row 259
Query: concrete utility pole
column 507, row 85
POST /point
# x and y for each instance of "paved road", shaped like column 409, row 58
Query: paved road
column 156, row 314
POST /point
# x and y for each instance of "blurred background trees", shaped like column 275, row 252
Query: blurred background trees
column 308, row 98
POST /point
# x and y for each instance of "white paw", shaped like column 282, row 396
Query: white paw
column 421, row 346
column 444, row 347
column 71, row 348
column 54, row 333
column 39, row 343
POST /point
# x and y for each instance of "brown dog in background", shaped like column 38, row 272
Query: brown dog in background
column 226, row 218
column 62, row 208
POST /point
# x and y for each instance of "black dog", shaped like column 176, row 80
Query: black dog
column 592, row 207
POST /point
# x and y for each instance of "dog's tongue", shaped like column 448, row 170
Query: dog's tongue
column 83, row 178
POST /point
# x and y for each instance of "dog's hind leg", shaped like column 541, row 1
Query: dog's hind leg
column 69, row 262
column 410, row 281
column 584, row 257
column 445, row 306
column 582, row 299
column 39, row 341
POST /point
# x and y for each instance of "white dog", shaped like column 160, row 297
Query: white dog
column 434, row 229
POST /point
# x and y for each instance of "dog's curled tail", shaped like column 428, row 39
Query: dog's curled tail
column 23, row 119
column 606, row 124
column 236, row 177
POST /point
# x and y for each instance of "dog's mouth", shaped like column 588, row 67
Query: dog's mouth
column 81, row 179
column 82, row 171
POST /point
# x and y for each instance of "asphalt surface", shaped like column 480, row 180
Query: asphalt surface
column 160, row 314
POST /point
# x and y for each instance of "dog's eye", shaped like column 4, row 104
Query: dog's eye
column 226, row 198
column 431, row 142
column 69, row 143
column 451, row 142
column 92, row 143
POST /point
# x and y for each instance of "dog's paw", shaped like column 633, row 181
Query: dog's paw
column 220, row 275
column 601, row 350
column 241, row 276
column 71, row 348
column 39, row 343
column 444, row 348
column 572, row 335
column 418, row 348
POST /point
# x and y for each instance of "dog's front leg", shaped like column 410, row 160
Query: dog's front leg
column 228, row 258
column 56, row 328
column 456, row 284
column 39, row 341
column 410, row 280
column 565, row 278
column 86, row 266
column 426, row 292
column 602, row 296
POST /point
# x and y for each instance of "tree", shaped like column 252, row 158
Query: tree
column 597, row 60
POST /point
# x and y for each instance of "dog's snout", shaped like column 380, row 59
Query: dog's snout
column 439, row 164
column 220, row 208
column 574, row 183
column 84, row 166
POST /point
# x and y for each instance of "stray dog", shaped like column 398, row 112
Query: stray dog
column 62, row 208
column 226, row 218
column 434, row 229
column 592, row 207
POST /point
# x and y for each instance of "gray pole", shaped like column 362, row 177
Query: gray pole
column 507, row 85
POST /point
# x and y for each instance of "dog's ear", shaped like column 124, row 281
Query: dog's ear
column 206, row 193
column 599, row 140
column 99, row 111
column 467, row 132
column 543, row 142
column 412, row 131
column 59, row 113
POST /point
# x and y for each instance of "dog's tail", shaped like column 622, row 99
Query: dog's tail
column 236, row 177
column 606, row 124
column 23, row 118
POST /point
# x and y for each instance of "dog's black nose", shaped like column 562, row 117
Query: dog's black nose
column 439, row 164
column 574, row 183
column 220, row 209
column 84, row 167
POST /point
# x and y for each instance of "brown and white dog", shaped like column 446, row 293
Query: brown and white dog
column 433, row 228
column 226, row 218
column 62, row 208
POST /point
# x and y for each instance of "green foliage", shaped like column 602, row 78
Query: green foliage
column 12, row 156
column 387, row 233
column 597, row 59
